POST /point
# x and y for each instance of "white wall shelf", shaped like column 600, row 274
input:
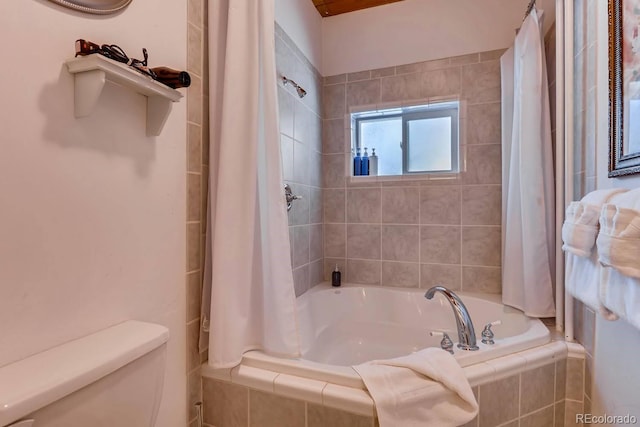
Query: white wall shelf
column 93, row 71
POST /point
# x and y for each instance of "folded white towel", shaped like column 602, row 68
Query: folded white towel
column 582, row 280
column 580, row 227
column 618, row 246
column 426, row 388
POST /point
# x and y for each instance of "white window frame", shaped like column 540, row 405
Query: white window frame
column 407, row 114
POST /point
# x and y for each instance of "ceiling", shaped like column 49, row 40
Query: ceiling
column 336, row 7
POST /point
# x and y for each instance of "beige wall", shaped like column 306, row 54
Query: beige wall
column 424, row 232
column 92, row 210
column 418, row 30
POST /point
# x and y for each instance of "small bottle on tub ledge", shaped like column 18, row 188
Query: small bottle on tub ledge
column 336, row 279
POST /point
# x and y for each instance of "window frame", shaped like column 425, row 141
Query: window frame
column 407, row 114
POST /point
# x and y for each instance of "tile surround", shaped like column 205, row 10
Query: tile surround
column 455, row 222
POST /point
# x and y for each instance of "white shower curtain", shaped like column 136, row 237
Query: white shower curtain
column 248, row 293
column 528, row 211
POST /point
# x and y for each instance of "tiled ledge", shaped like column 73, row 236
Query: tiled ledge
column 359, row 401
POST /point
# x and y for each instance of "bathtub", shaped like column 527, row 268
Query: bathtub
column 352, row 324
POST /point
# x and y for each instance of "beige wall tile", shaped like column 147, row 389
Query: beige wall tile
column 561, row 379
column 225, row 404
column 195, row 12
column 301, row 279
column 449, row 276
column 559, row 414
column 482, row 279
column 481, row 245
column 541, row 418
column 315, row 168
column 398, row 88
column 307, row 126
column 300, row 245
column 333, row 137
column 194, row 101
column 403, row 274
column 193, row 247
column 335, row 238
column 363, row 241
column 363, row 205
column 484, row 164
column 491, row 55
column 362, row 271
column 484, row 123
column 300, row 163
column 571, row 409
column 193, row 353
column 285, row 108
column 322, row 416
column 440, row 244
column 339, row 78
column 316, row 272
column 410, row 68
column 383, row 72
column 440, row 205
column 333, row 170
column 441, row 82
column 400, row 205
column 497, row 403
column 194, row 194
column 269, row 410
column 194, row 295
column 537, row 389
column 575, row 378
column 588, row 375
column 316, row 242
column 436, row 64
column 366, row 92
column 194, row 49
column 400, row 242
column 286, row 152
column 481, row 205
column 315, row 205
column 481, row 82
column 334, row 101
column 334, row 206
column 194, row 148
column 360, row 75
column 471, row 58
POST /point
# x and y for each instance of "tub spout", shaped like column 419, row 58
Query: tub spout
column 466, row 332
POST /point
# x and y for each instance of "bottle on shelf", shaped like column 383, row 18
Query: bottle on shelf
column 336, row 279
column 172, row 78
column 364, row 169
column 373, row 163
column 357, row 164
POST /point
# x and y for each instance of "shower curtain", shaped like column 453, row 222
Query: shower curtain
column 248, row 294
column 528, row 220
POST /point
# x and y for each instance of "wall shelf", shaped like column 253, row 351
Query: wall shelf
column 93, row 71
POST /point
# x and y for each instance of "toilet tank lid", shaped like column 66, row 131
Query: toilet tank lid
column 39, row 380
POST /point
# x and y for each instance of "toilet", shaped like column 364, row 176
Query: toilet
column 113, row 377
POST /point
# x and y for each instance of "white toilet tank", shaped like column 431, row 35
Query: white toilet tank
column 112, row 378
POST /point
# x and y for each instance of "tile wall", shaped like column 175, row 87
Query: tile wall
column 301, row 147
column 424, row 232
column 534, row 398
column 197, row 188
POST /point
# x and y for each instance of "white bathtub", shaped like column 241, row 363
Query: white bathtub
column 345, row 326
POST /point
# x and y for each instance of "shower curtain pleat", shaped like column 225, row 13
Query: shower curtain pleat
column 248, row 293
column 528, row 187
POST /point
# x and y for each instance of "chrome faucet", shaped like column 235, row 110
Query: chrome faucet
column 466, row 332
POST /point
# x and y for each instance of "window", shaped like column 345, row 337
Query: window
column 409, row 140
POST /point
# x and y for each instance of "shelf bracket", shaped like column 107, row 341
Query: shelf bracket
column 88, row 87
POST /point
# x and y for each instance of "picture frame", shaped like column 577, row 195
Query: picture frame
column 624, row 87
column 95, row 7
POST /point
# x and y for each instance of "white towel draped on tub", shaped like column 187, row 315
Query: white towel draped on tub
column 619, row 253
column 426, row 388
column 579, row 231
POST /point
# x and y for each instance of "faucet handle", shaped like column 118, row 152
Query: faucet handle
column 446, row 344
column 487, row 333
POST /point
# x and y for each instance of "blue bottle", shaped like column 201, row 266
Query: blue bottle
column 364, row 168
column 357, row 164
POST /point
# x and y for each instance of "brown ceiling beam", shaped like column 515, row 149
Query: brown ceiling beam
column 336, row 7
